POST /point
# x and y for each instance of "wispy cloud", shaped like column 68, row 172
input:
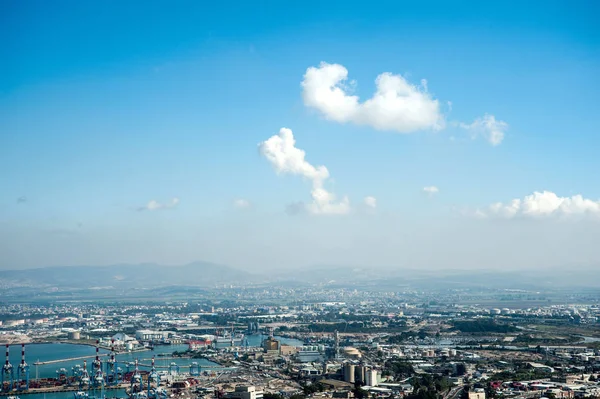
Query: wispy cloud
column 241, row 203
column 431, row 190
column 370, row 202
column 488, row 127
column 155, row 205
column 281, row 151
column 22, row 199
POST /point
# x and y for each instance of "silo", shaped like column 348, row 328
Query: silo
column 360, row 374
column 349, row 371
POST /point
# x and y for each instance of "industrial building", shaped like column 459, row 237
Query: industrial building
column 151, row 335
column 244, row 392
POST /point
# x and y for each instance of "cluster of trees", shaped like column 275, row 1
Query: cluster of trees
column 429, row 387
column 482, row 326
column 407, row 335
column 399, row 369
column 521, row 373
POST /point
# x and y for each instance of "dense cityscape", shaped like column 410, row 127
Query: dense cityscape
column 311, row 342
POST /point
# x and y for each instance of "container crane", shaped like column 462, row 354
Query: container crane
column 112, row 369
column 194, row 369
column 8, row 374
column 84, row 377
column 23, row 372
column 154, row 378
column 136, row 380
column 173, row 369
column 98, row 380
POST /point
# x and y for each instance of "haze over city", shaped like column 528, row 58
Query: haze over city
column 404, row 136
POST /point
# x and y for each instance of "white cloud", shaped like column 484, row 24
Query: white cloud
column 431, row 190
column 281, row 151
column 155, row 205
column 488, row 127
column 542, row 204
column 396, row 105
column 370, row 202
column 241, row 203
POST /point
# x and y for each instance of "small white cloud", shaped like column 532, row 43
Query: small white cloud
column 488, row 127
column 397, row 105
column 155, row 205
column 431, row 190
column 281, row 151
column 241, row 203
column 542, row 204
column 370, row 202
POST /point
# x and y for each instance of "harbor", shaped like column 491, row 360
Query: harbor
column 64, row 370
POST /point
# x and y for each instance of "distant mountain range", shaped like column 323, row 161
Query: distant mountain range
column 206, row 274
column 580, row 275
column 203, row 274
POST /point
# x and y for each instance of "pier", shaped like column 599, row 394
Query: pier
column 38, row 363
column 31, row 391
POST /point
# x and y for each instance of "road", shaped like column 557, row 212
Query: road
column 454, row 393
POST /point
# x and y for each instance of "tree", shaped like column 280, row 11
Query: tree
column 400, row 369
column 359, row 393
column 461, row 369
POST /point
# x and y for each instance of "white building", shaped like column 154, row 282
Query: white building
column 150, row 335
column 244, row 392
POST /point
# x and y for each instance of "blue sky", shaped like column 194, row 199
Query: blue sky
column 105, row 107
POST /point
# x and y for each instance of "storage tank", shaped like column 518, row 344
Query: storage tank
column 349, row 371
column 74, row 335
column 360, row 374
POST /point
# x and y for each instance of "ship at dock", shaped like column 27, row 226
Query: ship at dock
column 231, row 339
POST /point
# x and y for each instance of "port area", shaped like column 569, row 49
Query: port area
column 63, row 388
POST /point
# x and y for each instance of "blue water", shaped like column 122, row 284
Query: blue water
column 46, row 352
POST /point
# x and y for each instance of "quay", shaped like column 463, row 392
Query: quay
column 31, row 391
column 38, row 363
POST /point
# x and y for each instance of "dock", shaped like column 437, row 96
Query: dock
column 38, row 363
column 32, row 391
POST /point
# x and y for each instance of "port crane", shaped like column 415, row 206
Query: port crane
column 84, row 377
column 8, row 373
column 112, row 372
column 154, row 378
column 23, row 372
column 136, row 380
column 98, row 379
